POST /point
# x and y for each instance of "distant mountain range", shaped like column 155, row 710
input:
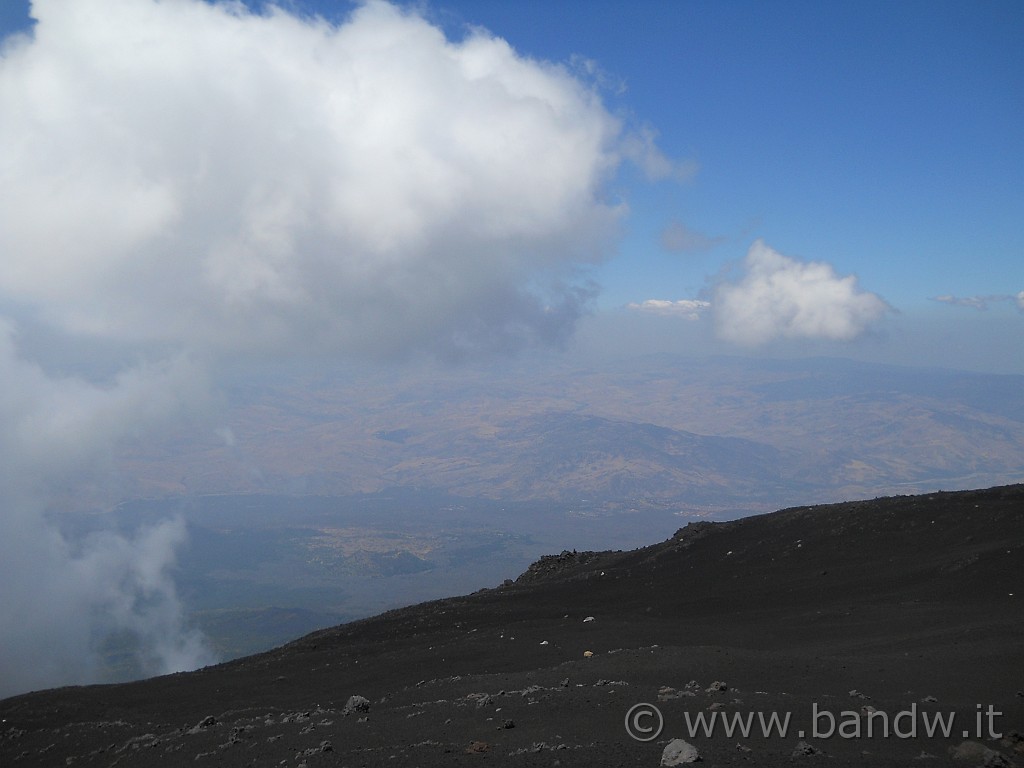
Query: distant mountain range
column 704, row 436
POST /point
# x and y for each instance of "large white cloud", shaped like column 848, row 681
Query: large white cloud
column 193, row 172
column 780, row 297
column 189, row 180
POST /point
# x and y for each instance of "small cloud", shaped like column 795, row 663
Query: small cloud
column 688, row 309
column 590, row 70
column 974, row 302
column 679, row 238
column 780, row 297
column 980, row 303
column 641, row 148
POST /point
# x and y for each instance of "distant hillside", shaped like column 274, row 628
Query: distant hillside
column 566, row 456
column 655, row 431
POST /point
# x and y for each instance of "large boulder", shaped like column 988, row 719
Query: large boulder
column 356, row 704
column 679, row 752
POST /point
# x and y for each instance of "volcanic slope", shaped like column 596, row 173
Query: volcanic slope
column 860, row 622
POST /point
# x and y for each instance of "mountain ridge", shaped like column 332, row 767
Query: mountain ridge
column 825, row 429
column 906, row 598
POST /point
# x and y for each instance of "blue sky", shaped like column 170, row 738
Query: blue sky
column 882, row 139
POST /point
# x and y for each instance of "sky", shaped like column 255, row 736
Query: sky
column 185, row 185
column 879, row 138
column 872, row 149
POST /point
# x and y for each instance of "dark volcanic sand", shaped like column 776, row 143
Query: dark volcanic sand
column 915, row 603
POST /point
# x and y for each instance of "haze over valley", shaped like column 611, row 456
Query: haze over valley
column 721, row 435
column 334, row 496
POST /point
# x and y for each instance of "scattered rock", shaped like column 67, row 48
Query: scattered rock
column 803, row 749
column 855, row 694
column 717, row 687
column 693, row 531
column 477, row 747
column 969, row 750
column 679, row 752
column 540, row 746
column 560, row 565
column 1013, row 740
column 674, row 694
column 929, row 700
column 139, row 742
column 587, row 654
column 356, row 704
column 207, row 722
column 980, row 754
column 325, row 746
column 508, row 724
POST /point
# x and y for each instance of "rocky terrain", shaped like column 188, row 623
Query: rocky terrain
column 857, row 626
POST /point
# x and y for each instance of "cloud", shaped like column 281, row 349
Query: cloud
column 641, row 147
column 981, row 303
column 592, row 70
column 228, row 179
column 779, row 297
column 974, row 302
column 678, row 238
column 688, row 309
column 58, row 603
column 192, row 181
